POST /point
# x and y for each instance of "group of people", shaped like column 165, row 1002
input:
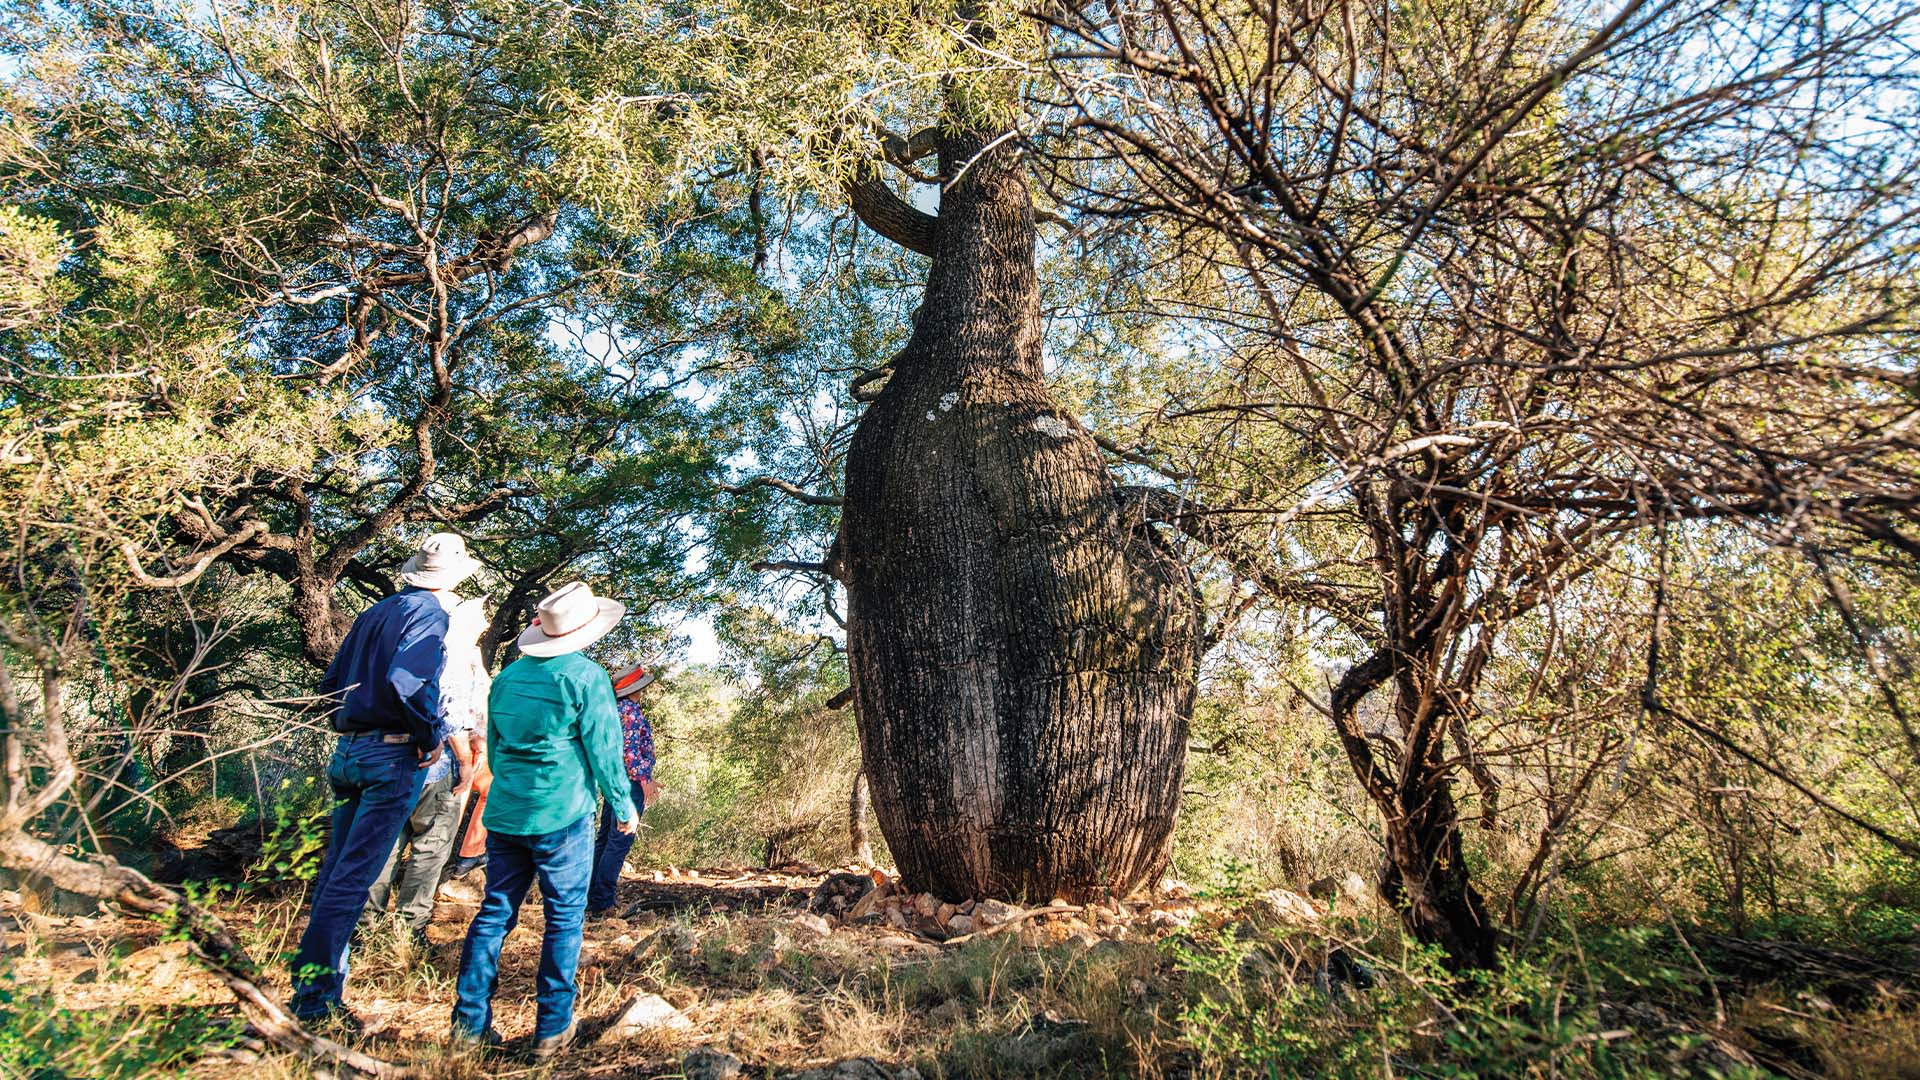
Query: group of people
column 538, row 747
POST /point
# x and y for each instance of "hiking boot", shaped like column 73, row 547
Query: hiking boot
column 464, row 865
column 338, row 1021
column 550, row 1047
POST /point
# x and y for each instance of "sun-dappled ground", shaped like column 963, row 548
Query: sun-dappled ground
column 825, row 974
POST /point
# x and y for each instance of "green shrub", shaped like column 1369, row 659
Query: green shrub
column 296, row 833
column 1277, row 1007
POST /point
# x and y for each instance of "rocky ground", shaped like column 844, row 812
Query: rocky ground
column 714, row 973
column 812, row 974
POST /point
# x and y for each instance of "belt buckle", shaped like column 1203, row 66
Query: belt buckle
column 396, row 738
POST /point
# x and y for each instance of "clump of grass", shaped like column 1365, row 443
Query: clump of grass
column 387, row 963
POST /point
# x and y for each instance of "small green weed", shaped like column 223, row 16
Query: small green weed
column 296, row 834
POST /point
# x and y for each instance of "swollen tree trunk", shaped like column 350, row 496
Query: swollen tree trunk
column 1022, row 653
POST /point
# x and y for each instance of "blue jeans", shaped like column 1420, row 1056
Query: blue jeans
column 610, row 847
column 377, row 784
column 563, row 859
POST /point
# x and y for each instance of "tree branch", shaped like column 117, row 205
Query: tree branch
column 199, row 566
column 903, row 152
column 788, row 564
column 1137, row 457
column 785, row 488
column 879, row 209
column 1196, row 522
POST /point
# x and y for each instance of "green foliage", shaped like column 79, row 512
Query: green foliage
column 296, row 833
column 1266, row 794
column 750, row 759
column 1277, row 1008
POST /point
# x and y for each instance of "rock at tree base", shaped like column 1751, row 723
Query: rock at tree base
column 644, row 1014
column 706, row 1063
column 991, row 913
column 858, row 1069
column 839, row 893
column 1278, row 907
column 670, row 939
column 1349, row 888
column 812, row 925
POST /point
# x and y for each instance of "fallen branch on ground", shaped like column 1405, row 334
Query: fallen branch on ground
column 211, row 943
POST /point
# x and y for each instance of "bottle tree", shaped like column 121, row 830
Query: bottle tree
column 1023, row 651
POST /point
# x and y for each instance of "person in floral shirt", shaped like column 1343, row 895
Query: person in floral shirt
column 610, row 846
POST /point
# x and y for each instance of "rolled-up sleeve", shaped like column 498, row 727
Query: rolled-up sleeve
column 414, row 674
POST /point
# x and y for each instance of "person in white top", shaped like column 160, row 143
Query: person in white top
column 428, row 836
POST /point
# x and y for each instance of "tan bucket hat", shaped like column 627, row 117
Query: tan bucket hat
column 441, row 563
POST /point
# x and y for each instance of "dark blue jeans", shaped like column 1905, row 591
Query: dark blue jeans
column 610, row 847
column 563, row 859
column 377, row 784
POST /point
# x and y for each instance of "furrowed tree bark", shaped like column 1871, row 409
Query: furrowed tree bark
column 1023, row 655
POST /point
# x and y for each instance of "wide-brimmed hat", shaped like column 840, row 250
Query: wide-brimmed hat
column 569, row 619
column 631, row 680
column 441, row 563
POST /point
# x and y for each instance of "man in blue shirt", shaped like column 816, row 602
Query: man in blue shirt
column 427, row 837
column 385, row 679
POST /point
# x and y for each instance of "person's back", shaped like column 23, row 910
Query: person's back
column 553, row 738
column 389, row 665
column 546, row 716
column 385, row 679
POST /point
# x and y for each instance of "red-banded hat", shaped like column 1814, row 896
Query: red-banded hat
column 631, row 680
column 569, row 619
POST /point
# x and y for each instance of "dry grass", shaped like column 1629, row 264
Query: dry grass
column 752, row 982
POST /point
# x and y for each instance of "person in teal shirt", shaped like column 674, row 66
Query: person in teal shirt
column 553, row 738
column 555, row 741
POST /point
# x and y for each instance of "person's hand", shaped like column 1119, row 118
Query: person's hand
column 628, row 826
column 649, row 790
column 427, row 760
